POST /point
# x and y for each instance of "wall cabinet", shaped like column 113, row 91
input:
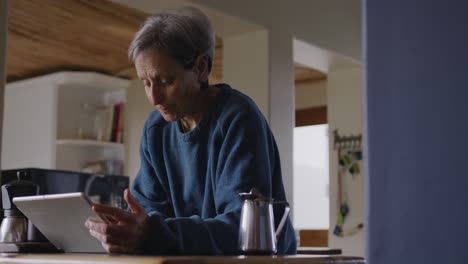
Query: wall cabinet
column 62, row 121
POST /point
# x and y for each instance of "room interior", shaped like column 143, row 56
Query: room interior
column 93, row 36
column 413, row 151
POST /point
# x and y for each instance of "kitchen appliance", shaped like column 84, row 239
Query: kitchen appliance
column 104, row 189
column 257, row 235
column 14, row 227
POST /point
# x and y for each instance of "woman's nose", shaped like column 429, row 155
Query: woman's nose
column 157, row 95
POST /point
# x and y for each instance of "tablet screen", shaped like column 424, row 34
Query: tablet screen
column 61, row 218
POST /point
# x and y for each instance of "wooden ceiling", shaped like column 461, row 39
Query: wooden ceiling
column 53, row 35
column 306, row 74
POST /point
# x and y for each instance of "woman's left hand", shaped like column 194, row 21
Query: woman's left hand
column 127, row 231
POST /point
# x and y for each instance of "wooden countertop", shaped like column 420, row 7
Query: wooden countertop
column 123, row 259
column 318, row 251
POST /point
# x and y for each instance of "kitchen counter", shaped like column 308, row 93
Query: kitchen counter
column 123, row 259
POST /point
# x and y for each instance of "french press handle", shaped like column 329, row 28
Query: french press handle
column 287, row 210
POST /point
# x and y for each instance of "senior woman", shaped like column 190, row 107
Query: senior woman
column 202, row 146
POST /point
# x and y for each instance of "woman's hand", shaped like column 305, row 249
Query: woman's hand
column 127, row 231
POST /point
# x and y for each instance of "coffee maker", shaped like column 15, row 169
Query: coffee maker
column 15, row 227
column 104, row 189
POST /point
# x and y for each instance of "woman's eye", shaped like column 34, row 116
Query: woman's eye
column 164, row 81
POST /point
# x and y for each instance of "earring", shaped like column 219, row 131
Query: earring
column 204, row 85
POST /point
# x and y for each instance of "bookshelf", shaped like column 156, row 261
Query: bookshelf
column 64, row 120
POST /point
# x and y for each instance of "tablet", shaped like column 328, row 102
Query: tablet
column 61, row 218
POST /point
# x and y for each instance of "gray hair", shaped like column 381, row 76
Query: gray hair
column 185, row 33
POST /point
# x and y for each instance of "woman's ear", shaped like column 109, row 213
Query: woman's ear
column 202, row 68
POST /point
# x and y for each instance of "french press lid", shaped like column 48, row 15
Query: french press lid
column 255, row 195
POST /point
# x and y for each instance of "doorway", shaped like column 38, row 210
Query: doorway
column 311, row 161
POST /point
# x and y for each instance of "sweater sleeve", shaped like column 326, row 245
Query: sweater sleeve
column 147, row 188
column 244, row 161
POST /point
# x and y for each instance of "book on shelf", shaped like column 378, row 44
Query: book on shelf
column 119, row 125
column 116, row 134
column 104, row 166
column 109, row 124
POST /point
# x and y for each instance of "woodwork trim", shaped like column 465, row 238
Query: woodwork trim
column 311, row 116
column 3, row 57
column 313, row 238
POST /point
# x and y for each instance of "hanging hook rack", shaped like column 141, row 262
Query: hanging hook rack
column 348, row 161
column 346, row 142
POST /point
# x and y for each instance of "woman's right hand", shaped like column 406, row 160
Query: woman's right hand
column 126, row 233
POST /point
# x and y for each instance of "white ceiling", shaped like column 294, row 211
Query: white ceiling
column 327, row 33
column 225, row 25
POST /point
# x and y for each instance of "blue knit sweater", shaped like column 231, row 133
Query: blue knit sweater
column 189, row 182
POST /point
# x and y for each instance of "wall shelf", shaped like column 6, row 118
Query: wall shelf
column 42, row 117
column 88, row 142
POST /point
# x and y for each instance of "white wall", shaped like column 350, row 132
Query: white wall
column 345, row 114
column 245, row 66
column 319, row 58
column 137, row 110
column 311, row 94
column 282, row 103
column 334, row 25
column 29, row 134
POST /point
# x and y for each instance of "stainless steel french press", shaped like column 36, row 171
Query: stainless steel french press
column 257, row 233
